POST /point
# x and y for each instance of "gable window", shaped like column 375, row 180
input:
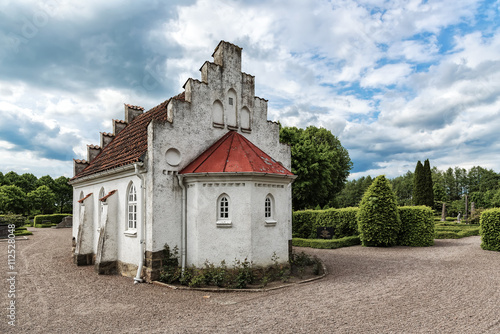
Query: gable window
column 132, row 208
column 269, row 211
column 223, row 213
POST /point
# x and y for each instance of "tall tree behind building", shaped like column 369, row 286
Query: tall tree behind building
column 321, row 164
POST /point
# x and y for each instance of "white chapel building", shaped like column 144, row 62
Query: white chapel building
column 203, row 171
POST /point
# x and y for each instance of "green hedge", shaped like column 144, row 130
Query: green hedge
column 303, row 222
column 343, row 221
column 327, row 243
column 490, row 230
column 17, row 220
column 417, row 226
column 54, row 219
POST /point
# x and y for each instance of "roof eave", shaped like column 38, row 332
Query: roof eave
column 105, row 173
column 206, row 174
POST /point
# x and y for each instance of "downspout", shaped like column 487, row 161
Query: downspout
column 137, row 278
column 183, row 222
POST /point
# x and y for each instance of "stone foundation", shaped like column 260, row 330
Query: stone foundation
column 106, row 268
column 126, row 269
column 153, row 264
column 83, row 259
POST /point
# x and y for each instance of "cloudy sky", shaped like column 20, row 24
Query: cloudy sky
column 396, row 81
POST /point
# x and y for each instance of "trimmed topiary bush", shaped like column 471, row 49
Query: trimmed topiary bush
column 490, row 230
column 54, row 219
column 378, row 218
column 343, row 222
column 417, row 226
column 17, row 220
column 303, row 223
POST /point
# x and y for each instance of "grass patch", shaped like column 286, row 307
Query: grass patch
column 327, row 243
column 44, row 225
column 449, row 230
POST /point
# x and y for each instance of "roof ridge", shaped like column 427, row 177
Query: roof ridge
column 229, row 151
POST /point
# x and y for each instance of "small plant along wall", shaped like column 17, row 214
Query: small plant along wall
column 239, row 275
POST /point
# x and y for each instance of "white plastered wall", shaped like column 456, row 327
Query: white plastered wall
column 248, row 235
column 127, row 243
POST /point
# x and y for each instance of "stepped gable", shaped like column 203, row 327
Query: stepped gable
column 233, row 153
column 130, row 144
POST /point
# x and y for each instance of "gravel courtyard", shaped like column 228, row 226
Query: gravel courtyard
column 452, row 287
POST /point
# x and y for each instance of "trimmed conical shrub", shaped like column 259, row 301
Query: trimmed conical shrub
column 428, row 188
column 419, row 185
column 378, row 217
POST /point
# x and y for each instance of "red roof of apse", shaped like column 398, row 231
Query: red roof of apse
column 233, row 153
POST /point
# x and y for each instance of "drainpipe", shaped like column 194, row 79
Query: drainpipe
column 139, row 174
column 183, row 222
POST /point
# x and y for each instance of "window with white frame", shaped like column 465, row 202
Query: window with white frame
column 223, row 212
column 269, row 211
column 223, row 208
column 132, row 208
column 268, row 208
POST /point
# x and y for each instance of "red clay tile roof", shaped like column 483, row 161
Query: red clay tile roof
column 234, row 153
column 130, row 144
column 134, row 107
column 83, row 199
column 104, row 198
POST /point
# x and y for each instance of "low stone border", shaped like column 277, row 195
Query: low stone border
column 174, row 287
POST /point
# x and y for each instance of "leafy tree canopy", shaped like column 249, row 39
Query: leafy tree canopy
column 321, row 164
column 43, row 199
column 12, row 199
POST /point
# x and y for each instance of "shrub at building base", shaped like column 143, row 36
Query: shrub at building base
column 490, row 230
column 417, row 226
column 378, row 218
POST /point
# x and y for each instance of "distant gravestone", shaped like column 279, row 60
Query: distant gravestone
column 324, row 233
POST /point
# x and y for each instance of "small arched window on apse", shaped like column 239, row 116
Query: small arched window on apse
column 231, row 103
column 245, row 120
column 224, row 211
column 269, row 210
column 218, row 114
column 132, row 207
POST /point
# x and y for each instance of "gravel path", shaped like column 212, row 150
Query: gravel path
column 453, row 287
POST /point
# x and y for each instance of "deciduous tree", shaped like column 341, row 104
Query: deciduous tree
column 320, row 162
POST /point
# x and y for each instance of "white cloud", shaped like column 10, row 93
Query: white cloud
column 386, row 75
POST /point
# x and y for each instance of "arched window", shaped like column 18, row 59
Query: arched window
column 269, row 211
column 224, row 211
column 132, row 207
column 268, row 208
column 223, row 208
